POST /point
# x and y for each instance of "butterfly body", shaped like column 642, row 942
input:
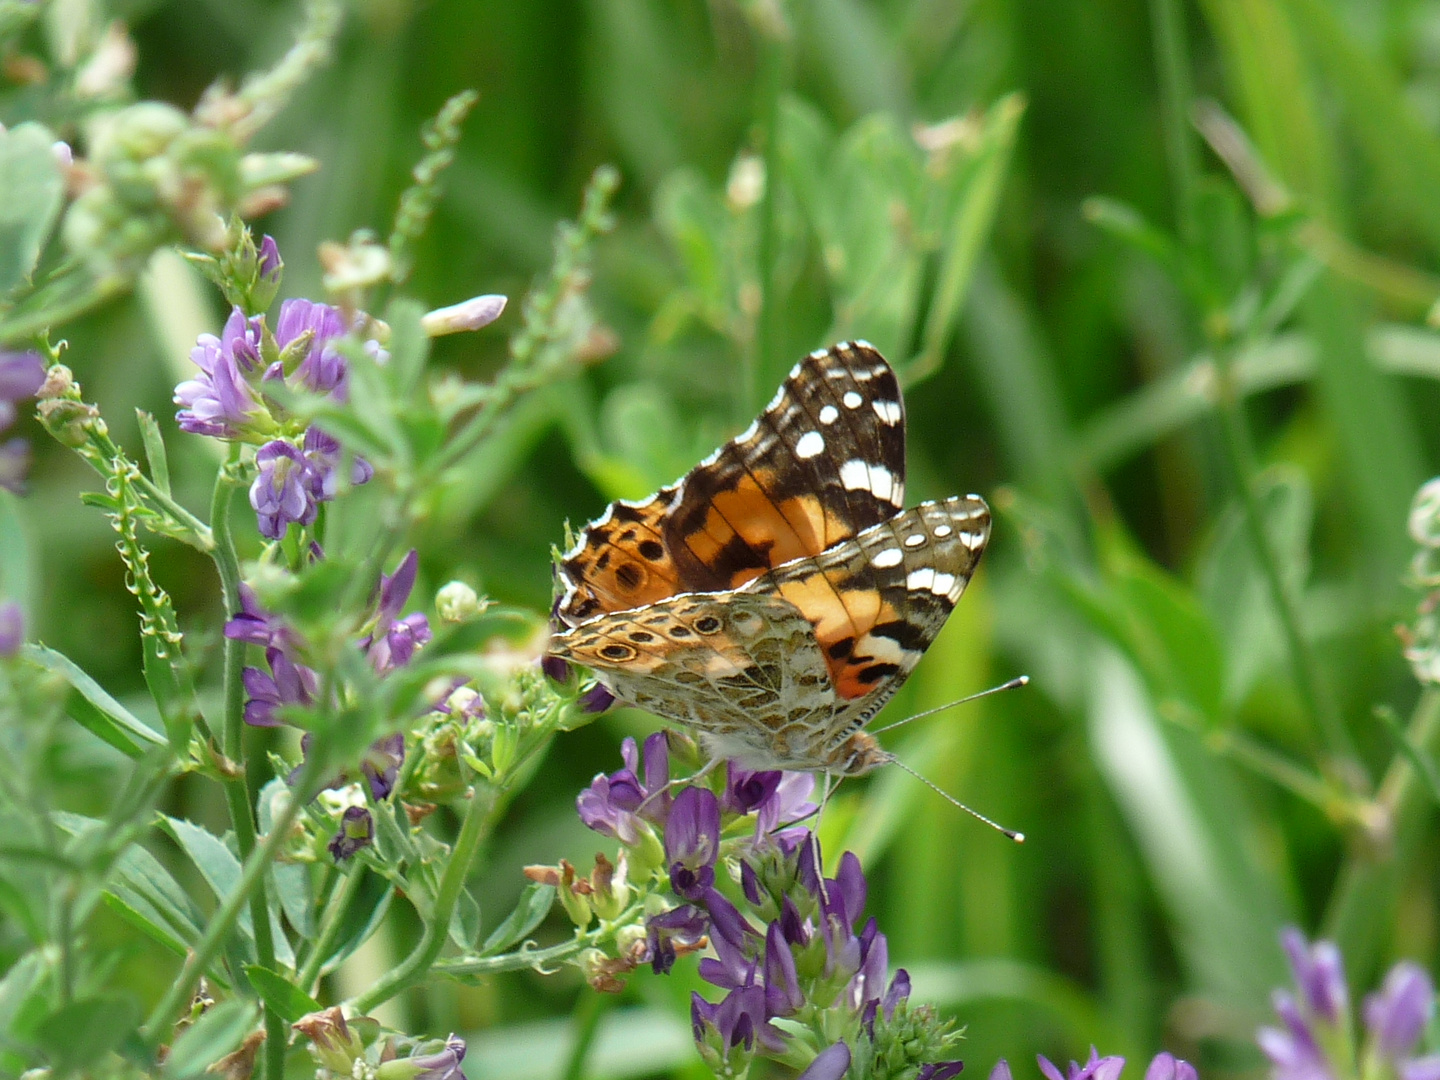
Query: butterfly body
column 775, row 598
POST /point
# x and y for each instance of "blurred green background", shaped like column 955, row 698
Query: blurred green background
column 1113, row 376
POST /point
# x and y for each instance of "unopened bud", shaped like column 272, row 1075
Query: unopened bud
column 456, row 602
column 472, row 314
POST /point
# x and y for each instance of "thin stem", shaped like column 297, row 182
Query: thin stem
column 766, row 346
column 524, row 958
column 1314, row 696
column 423, row 957
column 330, row 924
column 1358, row 914
column 586, row 1022
column 252, row 875
column 1172, row 54
column 237, row 789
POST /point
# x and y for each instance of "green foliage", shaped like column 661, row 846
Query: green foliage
column 1160, row 281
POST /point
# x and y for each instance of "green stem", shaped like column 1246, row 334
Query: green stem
column 585, row 1020
column 761, row 357
column 1358, row 914
column 1172, row 53
column 237, row 789
column 423, row 957
column 536, row 958
column 330, row 924
column 1314, row 696
column 252, row 875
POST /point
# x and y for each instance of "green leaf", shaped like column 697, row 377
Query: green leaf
column 34, row 188
column 530, row 910
column 81, row 1033
column 93, row 709
column 154, row 450
column 465, row 921
column 217, row 865
column 20, row 983
column 362, row 919
column 966, row 233
column 210, row 1038
column 285, row 998
column 408, row 346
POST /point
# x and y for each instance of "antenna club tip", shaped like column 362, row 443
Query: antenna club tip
column 1018, row 837
column 1022, row 680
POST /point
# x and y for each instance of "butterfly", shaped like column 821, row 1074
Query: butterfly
column 773, row 599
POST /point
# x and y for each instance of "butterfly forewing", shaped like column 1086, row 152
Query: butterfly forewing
column 824, row 461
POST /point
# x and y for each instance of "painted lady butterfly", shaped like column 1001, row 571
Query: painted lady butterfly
column 773, row 599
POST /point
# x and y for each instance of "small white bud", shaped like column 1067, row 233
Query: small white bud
column 456, row 602
column 470, row 314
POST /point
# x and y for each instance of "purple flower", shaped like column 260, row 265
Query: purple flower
column 745, row 790
column 613, row 804
column 395, row 640
column 381, row 764
column 21, row 376
column 1096, row 1068
column 219, row 402
column 737, row 1020
column 1399, row 1011
column 281, row 491
column 255, row 626
column 597, row 698
column 12, row 629
column 692, row 842
column 939, row 1070
column 686, row 924
column 1319, row 974
column 782, row 986
column 288, row 683
column 323, row 454
column 270, row 263
column 1165, row 1066
column 834, row 1062
column 555, row 668
column 444, row 1065
column 899, row 991
column 323, row 370
column 357, row 830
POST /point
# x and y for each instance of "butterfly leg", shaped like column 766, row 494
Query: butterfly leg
column 700, row 774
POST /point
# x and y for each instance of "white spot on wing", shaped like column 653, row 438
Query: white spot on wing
column 887, row 558
column 942, row 584
column 882, row 484
column 852, row 400
column 943, row 530
column 779, row 397
column 971, row 540
column 819, row 354
column 809, row 445
column 828, row 414
column 855, row 475
column 924, row 578
column 795, row 371
column 749, row 433
column 915, row 541
column 888, row 411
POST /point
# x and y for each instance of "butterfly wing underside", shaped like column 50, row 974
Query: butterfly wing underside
column 781, row 672
column 825, row 460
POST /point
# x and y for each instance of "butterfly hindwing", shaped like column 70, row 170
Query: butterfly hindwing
column 824, row 461
column 878, row 601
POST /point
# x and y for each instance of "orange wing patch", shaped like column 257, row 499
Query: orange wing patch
column 624, row 563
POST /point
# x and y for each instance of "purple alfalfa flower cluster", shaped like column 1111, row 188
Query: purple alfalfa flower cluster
column 21, row 376
column 1316, row 1039
column 344, row 1049
column 390, row 641
column 804, row 974
column 234, row 397
column 1163, row 1066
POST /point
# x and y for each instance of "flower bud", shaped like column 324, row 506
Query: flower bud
column 70, row 422
column 357, row 830
column 612, row 892
column 470, row 314
column 332, row 1044
column 456, row 602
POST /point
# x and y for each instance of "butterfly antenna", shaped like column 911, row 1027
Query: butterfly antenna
column 1018, row 837
column 1013, row 684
